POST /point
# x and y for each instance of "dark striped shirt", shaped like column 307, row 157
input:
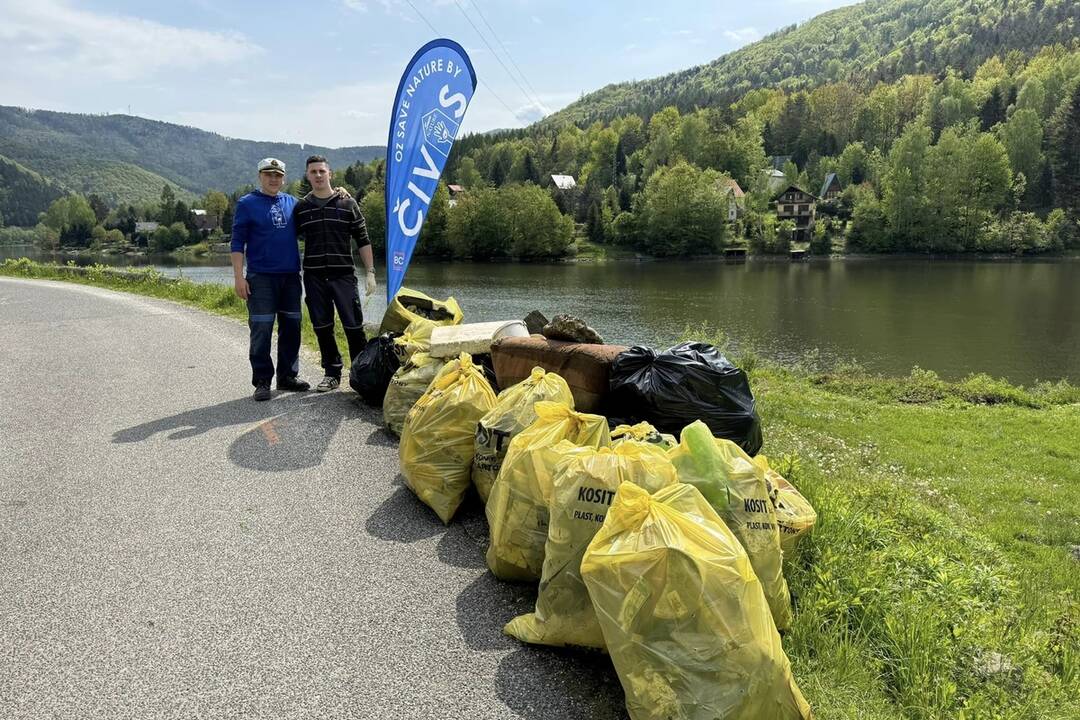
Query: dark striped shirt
column 328, row 230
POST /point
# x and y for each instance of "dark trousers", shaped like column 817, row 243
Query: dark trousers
column 274, row 295
column 322, row 294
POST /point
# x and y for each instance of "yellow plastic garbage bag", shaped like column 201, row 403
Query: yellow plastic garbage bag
column 683, row 614
column 736, row 488
column 408, row 384
column 643, row 432
column 583, row 486
column 517, row 507
column 416, row 338
column 513, row 412
column 409, row 305
column 794, row 513
column 437, row 441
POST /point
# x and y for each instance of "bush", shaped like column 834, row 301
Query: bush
column 168, row 238
column 981, row 389
column 922, row 386
column 821, row 240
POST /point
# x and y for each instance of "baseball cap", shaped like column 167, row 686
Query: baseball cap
column 271, row 165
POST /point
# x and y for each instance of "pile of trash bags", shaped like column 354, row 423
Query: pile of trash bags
column 691, row 381
column 654, row 533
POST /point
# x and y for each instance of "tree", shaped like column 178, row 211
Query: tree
column 683, row 212
column 215, row 203
column 167, row 206
column 72, row 219
column 1064, row 158
column 1032, row 96
column 373, row 206
column 993, row 110
column 602, row 158
column 538, row 230
column 480, row 226
column 868, row 225
column 853, row 166
column 467, row 175
column 594, row 223
column 531, row 173
column 518, row 221
column 169, row 237
column 904, row 195
column 432, row 240
column 100, row 208
column 1023, row 137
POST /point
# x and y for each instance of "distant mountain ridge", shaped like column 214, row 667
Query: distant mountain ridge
column 864, row 43
column 127, row 159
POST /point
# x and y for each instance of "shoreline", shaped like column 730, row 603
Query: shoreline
column 630, row 257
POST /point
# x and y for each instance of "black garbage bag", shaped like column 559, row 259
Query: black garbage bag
column 373, row 367
column 691, row 381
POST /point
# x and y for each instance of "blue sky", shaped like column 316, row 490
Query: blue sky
column 324, row 71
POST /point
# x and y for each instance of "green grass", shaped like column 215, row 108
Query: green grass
column 947, row 512
column 586, row 250
column 938, row 582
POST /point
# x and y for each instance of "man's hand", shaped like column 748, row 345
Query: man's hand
column 240, row 285
column 343, row 193
column 369, row 283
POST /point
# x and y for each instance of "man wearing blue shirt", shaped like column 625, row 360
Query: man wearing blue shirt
column 264, row 231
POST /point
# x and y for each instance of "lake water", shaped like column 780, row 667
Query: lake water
column 1018, row 320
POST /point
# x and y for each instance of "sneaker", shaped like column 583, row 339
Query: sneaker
column 262, row 391
column 292, row 383
column 328, row 383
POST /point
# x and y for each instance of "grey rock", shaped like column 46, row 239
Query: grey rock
column 1075, row 551
column 535, row 322
column 989, row 664
column 572, row 329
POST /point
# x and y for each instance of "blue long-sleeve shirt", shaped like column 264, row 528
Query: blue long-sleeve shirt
column 263, row 229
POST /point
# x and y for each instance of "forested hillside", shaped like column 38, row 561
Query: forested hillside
column 878, row 40
column 24, row 194
column 951, row 127
column 127, row 159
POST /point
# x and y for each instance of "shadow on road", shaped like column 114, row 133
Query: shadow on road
column 403, row 518
column 292, row 432
column 466, row 539
column 540, row 682
column 486, row 605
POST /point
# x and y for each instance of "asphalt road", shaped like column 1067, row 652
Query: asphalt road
column 171, row 549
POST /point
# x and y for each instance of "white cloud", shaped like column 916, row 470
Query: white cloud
column 50, row 39
column 536, row 20
column 743, row 35
column 532, row 112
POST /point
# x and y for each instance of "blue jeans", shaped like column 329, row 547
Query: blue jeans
column 274, row 295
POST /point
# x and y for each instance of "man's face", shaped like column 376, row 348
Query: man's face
column 318, row 174
column 271, row 182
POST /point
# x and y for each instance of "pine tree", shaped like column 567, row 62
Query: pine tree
column 1064, row 158
column 993, row 110
column 531, row 174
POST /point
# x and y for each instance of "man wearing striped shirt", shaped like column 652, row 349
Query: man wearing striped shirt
column 329, row 224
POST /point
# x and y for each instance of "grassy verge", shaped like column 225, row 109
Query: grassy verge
column 941, row 580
